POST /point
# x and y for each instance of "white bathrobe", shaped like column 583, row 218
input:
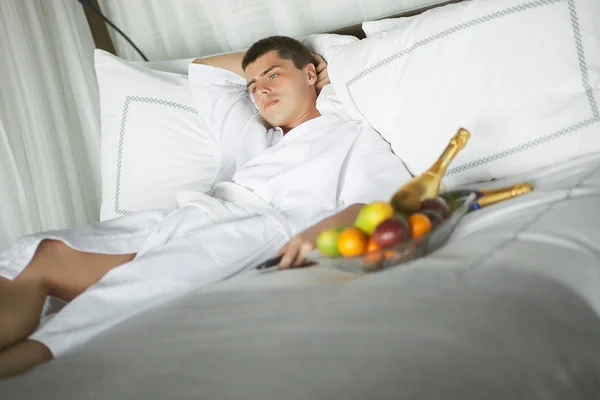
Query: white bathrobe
column 268, row 188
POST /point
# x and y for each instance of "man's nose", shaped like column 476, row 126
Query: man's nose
column 263, row 88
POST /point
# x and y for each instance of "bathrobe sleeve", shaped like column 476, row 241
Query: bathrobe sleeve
column 222, row 101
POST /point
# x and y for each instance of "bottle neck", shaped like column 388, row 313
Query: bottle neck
column 441, row 165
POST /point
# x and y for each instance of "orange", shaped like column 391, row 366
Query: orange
column 419, row 224
column 352, row 242
column 373, row 258
column 373, row 255
column 372, row 245
column 390, row 253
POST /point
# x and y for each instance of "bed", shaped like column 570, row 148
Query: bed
column 509, row 308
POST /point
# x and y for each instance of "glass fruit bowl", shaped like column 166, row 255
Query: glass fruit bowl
column 400, row 253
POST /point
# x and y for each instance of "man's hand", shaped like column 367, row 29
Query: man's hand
column 295, row 250
column 322, row 74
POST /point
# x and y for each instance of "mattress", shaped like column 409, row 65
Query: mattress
column 507, row 309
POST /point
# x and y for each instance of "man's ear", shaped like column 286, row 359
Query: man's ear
column 311, row 73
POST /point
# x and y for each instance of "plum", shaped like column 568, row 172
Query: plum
column 435, row 216
column 390, row 232
column 437, row 204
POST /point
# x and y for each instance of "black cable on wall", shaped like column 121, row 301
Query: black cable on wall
column 88, row 3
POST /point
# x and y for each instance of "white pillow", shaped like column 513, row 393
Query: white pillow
column 154, row 144
column 326, row 44
column 522, row 75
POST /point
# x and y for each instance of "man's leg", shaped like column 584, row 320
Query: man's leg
column 22, row 356
column 55, row 270
column 20, row 308
column 66, row 272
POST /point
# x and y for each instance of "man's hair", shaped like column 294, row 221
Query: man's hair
column 288, row 48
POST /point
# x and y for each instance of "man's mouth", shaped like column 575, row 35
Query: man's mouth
column 269, row 103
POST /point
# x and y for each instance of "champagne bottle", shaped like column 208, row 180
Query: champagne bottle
column 512, row 188
column 427, row 185
column 461, row 194
column 497, row 195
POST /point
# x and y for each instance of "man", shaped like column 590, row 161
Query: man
column 285, row 174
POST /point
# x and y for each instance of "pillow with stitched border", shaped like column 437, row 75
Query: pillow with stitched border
column 522, row 75
column 154, row 144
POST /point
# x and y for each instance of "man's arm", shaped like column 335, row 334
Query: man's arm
column 295, row 250
column 230, row 61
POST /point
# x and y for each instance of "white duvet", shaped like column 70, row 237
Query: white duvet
column 553, row 231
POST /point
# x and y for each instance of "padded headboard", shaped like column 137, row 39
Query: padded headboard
column 164, row 31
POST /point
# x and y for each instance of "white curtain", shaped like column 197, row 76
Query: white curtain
column 49, row 118
column 166, row 30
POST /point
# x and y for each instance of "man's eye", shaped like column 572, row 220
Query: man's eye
column 273, row 76
column 254, row 89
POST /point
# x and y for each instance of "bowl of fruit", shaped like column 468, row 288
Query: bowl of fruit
column 414, row 222
column 382, row 237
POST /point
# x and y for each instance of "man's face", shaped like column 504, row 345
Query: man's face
column 282, row 92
